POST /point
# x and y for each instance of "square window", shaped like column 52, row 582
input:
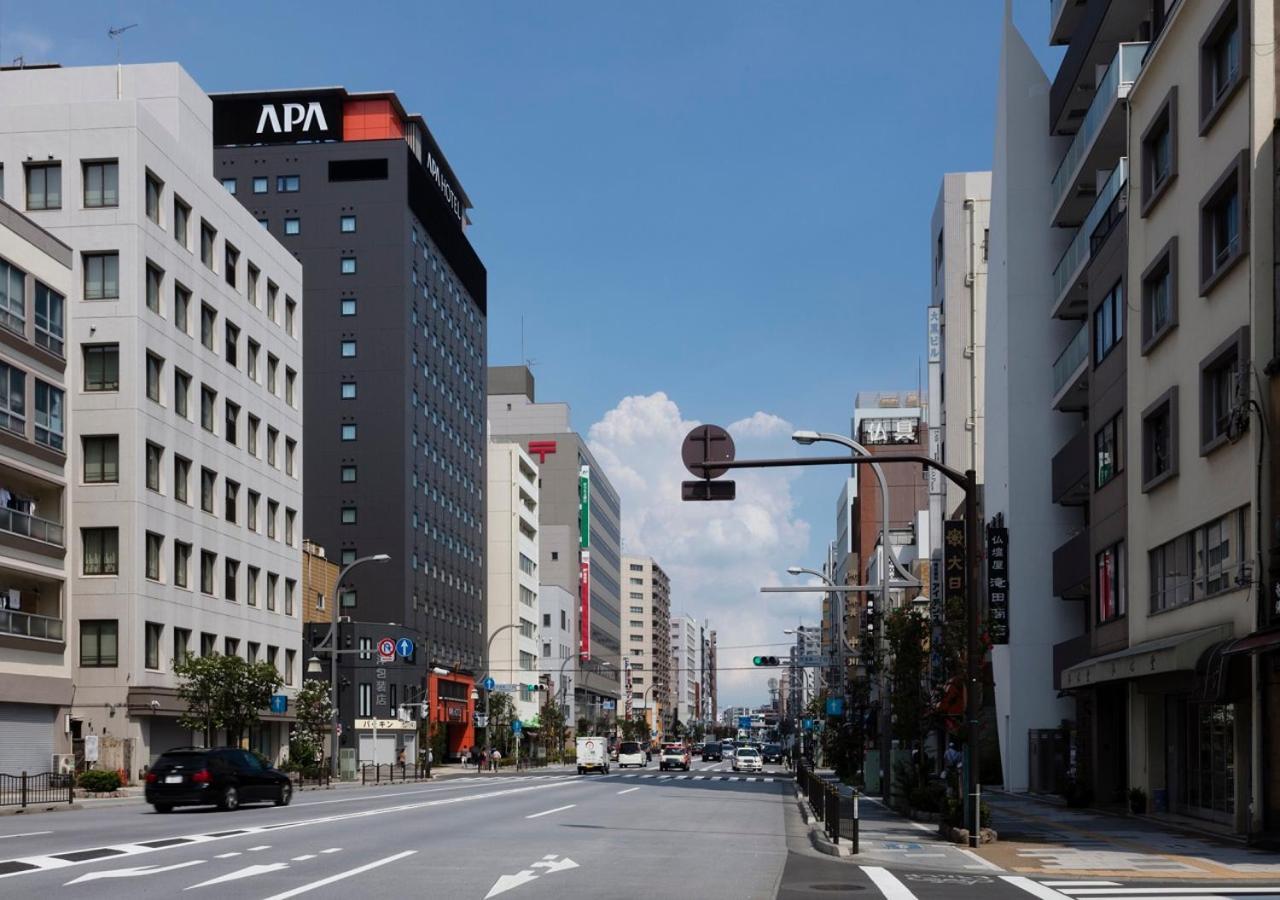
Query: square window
column 348, row 515
column 1223, row 394
column 101, row 276
column 1160, row 296
column 347, row 556
column 100, row 551
column 99, row 643
column 347, row 224
column 348, row 432
column 44, row 186
column 1160, row 440
column 348, row 349
column 260, row 184
column 348, row 306
column 287, row 184
column 229, row 184
column 348, row 475
column 101, row 183
column 101, row 458
column 348, row 390
column 348, row 266
column 101, row 367
column 292, row 225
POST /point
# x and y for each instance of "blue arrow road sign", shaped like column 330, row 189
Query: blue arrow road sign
column 279, row 703
column 516, row 726
column 744, row 721
column 835, row 706
column 488, row 684
column 404, row 647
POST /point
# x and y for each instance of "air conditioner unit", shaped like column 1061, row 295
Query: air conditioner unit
column 64, row 763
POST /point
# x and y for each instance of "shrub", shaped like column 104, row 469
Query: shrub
column 928, row 797
column 954, row 814
column 99, row 782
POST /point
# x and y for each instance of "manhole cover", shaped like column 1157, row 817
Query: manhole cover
column 837, row 887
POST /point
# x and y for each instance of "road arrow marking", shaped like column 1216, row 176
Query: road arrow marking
column 562, row 866
column 507, row 882
column 131, row 873
column 246, row 872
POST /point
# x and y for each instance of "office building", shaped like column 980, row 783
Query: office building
column 185, row 397
column 358, row 190
column 35, row 607
column 558, row 637
column 579, row 542
column 646, row 637
column 686, row 669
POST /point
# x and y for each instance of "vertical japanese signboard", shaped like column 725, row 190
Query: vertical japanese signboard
column 584, row 570
column 955, row 573
column 937, row 617
column 626, row 668
column 998, row 584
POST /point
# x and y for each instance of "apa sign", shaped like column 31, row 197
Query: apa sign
column 285, row 117
column 277, row 118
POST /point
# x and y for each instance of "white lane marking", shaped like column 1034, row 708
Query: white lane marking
column 663, row 777
column 699, row 777
column 1034, row 888
column 985, row 863
column 1081, row 883
column 682, row 777
column 891, row 887
column 246, row 872
column 507, row 882
column 227, row 855
column 629, row 790
column 259, row 847
column 132, row 873
column 359, row 870
column 1168, row 891
column 332, row 850
column 557, row 866
column 4, row 837
column 303, row 857
column 550, row 811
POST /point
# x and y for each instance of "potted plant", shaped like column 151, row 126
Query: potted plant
column 1137, row 801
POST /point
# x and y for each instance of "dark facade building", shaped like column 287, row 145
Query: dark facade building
column 394, row 385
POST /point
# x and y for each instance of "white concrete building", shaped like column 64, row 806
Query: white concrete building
column 184, row 365
column 646, row 641
column 686, row 666
column 558, row 638
column 512, row 560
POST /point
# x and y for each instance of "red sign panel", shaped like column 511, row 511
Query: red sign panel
column 542, row 449
column 584, row 606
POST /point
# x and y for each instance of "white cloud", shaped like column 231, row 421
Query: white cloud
column 717, row 554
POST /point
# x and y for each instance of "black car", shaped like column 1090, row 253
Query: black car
column 224, row 777
column 711, row 751
column 772, row 753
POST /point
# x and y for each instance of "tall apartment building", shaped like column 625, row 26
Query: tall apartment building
column 803, row 683
column 646, row 637
column 686, row 668
column 568, row 526
column 184, row 344
column 359, row 191
column 36, row 688
column 512, row 557
column 558, row 637
column 709, row 662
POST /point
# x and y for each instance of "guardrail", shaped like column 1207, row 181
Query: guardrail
column 317, row 778
column 17, row 522
column 838, row 814
column 36, row 790
column 393, row 773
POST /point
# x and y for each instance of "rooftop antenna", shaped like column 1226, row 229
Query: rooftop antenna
column 114, row 33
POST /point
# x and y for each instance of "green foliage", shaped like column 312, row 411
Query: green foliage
column 99, row 781
column 553, row 720
column 502, row 710
column 907, row 635
column 224, row 692
column 315, row 713
column 953, row 815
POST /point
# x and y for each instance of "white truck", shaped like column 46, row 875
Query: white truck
column 593, row 753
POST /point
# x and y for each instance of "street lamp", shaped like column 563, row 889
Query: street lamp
column 313, row 664
column 487, row 662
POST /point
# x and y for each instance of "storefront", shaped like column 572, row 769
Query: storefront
column 452, row 700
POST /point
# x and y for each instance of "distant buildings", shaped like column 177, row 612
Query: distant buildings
column 646, row 630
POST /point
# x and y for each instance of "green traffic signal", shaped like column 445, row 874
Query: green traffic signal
column 764, row 660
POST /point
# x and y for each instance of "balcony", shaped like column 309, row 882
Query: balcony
column 1070, row 295
column 1071, row 471
column 22, row 524
column 31, row 610
column 1071, row 567
column 1064, row 18
column 1071, row 373
column 44, row 628
column 1100, row 140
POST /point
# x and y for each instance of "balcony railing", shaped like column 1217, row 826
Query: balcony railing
column 1080, row 250
column 20, row 523
column 1113, row 87
column 1070, row 360
column 46, row 628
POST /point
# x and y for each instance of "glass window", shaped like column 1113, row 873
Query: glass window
column 231, row 344
column 154, row 187
column 155, row 456
column 347, row 224
column 348, row 390
column 273, row 581
column 290, row 518
column 251, row 589
column 1224, row 61
column 101, row 458
column 290, row 315
column 260, row 184
column 231, row 263
column 1110, row 583
column 101, row 276
column 44, row 186
column 13, row 297
column 1220, row 386
column 207, row 480
column 208, row 236
column 348, row 474
column 99, row 639
column 251, row 510
column 102, row 367
column 50, row 307
column 290, row 587
column 348, row 349
column 1108, row 451
column 1108, row 323
column 348, row 515
column 155, row 543
column 292, row 225
column 182, row 393
column 102, row 183
column 155, row 367
column 251, row 438
column 273, row 437
column 208, row 562
column 208, row 398
column 181, row 222
column 252, row 349
column 208, row 643
column 348, row 432
column 100, row 546
column 181, row 644
column 273, row 513
column 252, row 276
column 287, row 184
column 181, row 308
column 348, row 265
column 348, row 306
column 229, row 184
column 154, row 278
column 230, row 573
column 273, row 366
column 230, row 495
column 1224, row 228
column 181, row 563
column 181, row 478
column 272, row 293
column 50, row 422
column 290, row 381
column 290, row 450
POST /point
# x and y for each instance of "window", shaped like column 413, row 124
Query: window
column 348, row 349
column 348, row 432
column 208, row 236
column 44, row 186
column 181, row 563
column 348, row 475
column 290, row 587
column 50, row 423
column 290, row 315
column 230, row 646
column 231, row 419
column 230, row 573
column 251, row 439
column 155, row 454
column 229, row 184
column 1223, row 392
column 290, row 518
column 13, row 297
column 208, row 399
column 365, row 700
column 1201, row 563
column 208, row 560
column 208, row 478
column 208, row 321
column 292, row 225
column 181, row 222
column 181, row 308
column 182, row 393
column 273, row 366
column 347, row 556
column 287, row 184
column 100, row 551
column 231, row 344
column 252, row 650
column 1160, row 151
column 1108, row 323
column 181, row 644
column 348, row 265
column 290, row 381
column 273, row 580
column 272, row 438
column 347, row 306
column 1160, row 296
column 99, row 640
column 348, row 391
column 101, row 458
column 101, row 183
column 290, row 451
column 155, row 367
column 102, row 367
column 230, row 493
column 260, row 184
column 1224, row 60
column 1224, row 237
column 154, row 186
column 635, row 610
column 231, row 262
column 101, row 276
column 348, row 515
column 272, row 293
column 347, row 224
column 251, row 585
column 272, row 654
column 273, row 512
column 181, row 478
column 527, row 565
column 252, row 349
column 289, row 659
column 155, row 544
column 635, row 567
column 252, row 277
column 251, row 510
column 50, row 307
column 208, row 643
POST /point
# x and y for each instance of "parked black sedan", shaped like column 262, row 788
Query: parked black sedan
column 223, row 776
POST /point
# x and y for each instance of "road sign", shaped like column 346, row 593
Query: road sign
column 706, row 443
column 386, row 649
column 813, row 662
column 488, row 684
column 744, row 722
column 835, row 706
column 516, row 726
column 279, row 703
column 506, row 687
column 482, row 721
column 808, row 724
column 404, row 647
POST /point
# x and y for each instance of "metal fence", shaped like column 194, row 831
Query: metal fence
column 838, row 815
column 315, row 778
column 393, row 773
column 36, row 790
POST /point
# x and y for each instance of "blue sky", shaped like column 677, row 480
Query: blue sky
column 726, row 202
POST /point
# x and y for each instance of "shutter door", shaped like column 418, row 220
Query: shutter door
column 26, row 738
column 165, row 735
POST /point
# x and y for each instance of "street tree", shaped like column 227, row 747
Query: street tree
column 907, row 635
column 315, row 716
column 553, row 720
column 502, row 711
column 224, row 692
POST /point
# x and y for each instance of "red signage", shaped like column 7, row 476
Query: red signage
column 584, row 606
column 542, row 449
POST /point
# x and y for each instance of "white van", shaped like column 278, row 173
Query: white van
column 593, row 753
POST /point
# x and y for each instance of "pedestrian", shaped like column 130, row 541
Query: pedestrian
column 952, row 763
column 497, row 758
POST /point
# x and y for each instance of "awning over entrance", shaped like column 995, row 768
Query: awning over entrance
column 1258, row 642
column 1178, row 652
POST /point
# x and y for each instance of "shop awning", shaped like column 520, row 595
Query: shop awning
column 1175, row 653
column 1259, row 642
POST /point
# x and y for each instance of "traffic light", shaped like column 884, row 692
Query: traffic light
column 764, row 660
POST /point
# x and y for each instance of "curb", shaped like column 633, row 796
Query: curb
column 36, row 808
column 818, row 836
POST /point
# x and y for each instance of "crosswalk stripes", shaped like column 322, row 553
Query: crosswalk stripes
column 891, row 888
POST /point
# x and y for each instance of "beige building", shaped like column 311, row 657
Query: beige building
column 1199, row 319
column 646, row 639
column 35, row 609
column 319, row 585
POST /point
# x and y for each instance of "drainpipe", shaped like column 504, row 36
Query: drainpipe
column 971, row 281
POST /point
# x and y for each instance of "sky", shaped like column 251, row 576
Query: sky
column 690, row 212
